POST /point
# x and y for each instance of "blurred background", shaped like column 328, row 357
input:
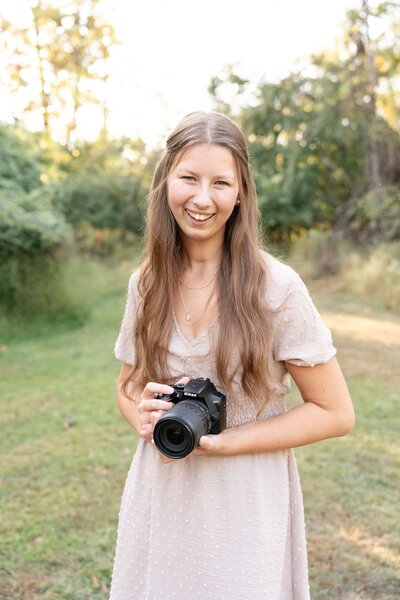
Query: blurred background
column 89, row 90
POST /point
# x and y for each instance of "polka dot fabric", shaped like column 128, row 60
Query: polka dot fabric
column 221, row 528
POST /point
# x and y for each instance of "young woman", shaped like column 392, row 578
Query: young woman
column 226, row 522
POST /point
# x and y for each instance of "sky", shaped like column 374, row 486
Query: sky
column 170, row 49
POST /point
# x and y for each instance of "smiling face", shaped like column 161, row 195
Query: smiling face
column 202, row 192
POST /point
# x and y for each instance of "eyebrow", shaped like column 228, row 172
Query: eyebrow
column 190, row 172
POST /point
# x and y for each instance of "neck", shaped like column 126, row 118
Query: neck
column 201, row 259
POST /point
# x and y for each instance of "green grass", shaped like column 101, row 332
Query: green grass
column 350, row 485
column 65, row 455
column 66, row 451
column 350, row 488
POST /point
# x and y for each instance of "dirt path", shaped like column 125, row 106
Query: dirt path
column 370, row 347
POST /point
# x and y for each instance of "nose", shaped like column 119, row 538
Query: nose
column 202, row 198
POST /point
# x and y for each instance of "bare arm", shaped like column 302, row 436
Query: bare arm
column 327, row 412
column 127, row 407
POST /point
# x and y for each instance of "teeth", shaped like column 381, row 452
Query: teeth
column 198, row 217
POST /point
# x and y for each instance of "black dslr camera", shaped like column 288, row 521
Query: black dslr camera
column 199, row 409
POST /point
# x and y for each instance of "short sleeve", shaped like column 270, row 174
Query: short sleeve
column 301, row 336
column 124, row 347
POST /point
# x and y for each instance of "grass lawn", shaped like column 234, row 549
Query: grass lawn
column 351, row 484
column 66, row 451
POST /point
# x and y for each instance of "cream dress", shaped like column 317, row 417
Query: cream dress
column 221, row 528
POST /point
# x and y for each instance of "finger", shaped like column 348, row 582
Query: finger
column 146, row 432
column 150, row 405
column 151, row 388
column 183, row 380
column 205, row 446
column 155, row 416
column 207, row 443
column 166, row 459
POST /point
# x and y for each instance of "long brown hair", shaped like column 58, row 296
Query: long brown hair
column 243, row 318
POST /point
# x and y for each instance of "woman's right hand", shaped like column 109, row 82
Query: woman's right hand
column 150, row 408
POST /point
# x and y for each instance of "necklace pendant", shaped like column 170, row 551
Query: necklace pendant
column 187, row 317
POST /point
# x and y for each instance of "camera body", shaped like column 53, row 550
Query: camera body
column 199, row 409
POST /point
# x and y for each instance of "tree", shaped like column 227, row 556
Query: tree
column 105, row 184
column 56, row 59
column 377, row 64
column 21, row 160
column 310, row 135
column 32, row 232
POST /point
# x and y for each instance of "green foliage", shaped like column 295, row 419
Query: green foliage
column 104, row 242
column 318, row 253
column 325, row 134
column 375, row 272
column 32, row 234
column 374, row 217
column 28, row 221
column 21, row 159
column 49, row 197
column 371, row 270
column 105, row 200
column 307, row 141
column 105, row 185
column 35, row 286
column 29, row 224
column 43, row 311
column 305, row 164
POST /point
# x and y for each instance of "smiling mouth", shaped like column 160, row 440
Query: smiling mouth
column 198, row 216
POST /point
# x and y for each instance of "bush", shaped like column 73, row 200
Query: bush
column 44, row 194
column 374, row 217
column 33, row 242
column 319, row 253
column 372, row 271
column 108, row 200
column 21, row 159
column 28, row 223
column 33, row 285
column 51, row 295
column 104, row 242
column 376, row 273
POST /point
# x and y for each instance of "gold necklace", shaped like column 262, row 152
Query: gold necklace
column 202, row 287
column 189, row 310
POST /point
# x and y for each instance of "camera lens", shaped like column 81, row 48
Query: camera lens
column 178, row 432
column 173, row 435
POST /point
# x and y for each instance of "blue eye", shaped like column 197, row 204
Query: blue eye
column 222, row 183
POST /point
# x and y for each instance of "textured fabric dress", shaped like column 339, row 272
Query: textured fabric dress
column 221, row 528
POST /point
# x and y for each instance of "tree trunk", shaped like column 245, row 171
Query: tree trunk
column 43, row 94
column 372, row 143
